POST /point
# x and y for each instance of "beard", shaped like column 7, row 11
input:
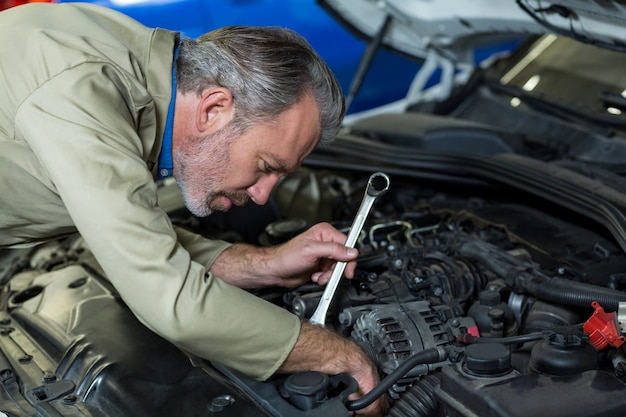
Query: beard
column 199, row 172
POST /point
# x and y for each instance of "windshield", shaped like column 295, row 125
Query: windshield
column 574, row 74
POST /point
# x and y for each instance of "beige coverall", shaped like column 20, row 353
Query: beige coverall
column 84, row 96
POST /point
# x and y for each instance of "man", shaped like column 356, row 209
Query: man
column 96, row 107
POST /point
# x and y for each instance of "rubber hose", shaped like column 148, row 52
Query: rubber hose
column 431, row 355
column 580, row 294
column 558, row 290
column 419, row 400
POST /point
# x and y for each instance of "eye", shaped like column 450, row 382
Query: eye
column 268, row 168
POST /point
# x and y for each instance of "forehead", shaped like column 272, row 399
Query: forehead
column 289, row 138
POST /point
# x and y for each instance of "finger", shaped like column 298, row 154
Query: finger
column 337, row 252
column 327, row 233
column 350, row 268
column 322, row 277
column 317, row 277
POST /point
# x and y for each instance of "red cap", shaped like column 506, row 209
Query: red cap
column 603, row 329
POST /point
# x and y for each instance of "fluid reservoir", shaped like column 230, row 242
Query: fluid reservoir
column 487, row 360
column 566, row 352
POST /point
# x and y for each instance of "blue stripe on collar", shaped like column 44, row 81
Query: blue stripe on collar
column 166, row 159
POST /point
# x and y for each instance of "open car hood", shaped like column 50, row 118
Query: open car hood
column 458, row 28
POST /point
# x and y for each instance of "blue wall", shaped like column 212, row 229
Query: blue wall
column 388, row 80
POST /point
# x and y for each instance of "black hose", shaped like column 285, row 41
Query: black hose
column 554, row 289
column 574, row 293
column 431, row 355
column 580, row 294
column 419, row 400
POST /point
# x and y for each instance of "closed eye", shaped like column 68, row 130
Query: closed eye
column 269, row 169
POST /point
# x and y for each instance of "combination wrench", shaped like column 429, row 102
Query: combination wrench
column 377, row 185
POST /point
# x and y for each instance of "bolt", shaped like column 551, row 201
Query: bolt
column 49, row 377
column 298, row 307
column 220, row 403
column 69, row 399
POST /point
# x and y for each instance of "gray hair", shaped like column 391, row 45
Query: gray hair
column 267, row 70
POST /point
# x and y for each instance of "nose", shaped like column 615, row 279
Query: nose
column 259, row 192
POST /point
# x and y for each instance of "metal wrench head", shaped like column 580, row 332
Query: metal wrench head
column 378, row 184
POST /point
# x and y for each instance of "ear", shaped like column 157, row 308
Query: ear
column 215, row 109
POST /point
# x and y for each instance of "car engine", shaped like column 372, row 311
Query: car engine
column 510, row 310
column 465, row 303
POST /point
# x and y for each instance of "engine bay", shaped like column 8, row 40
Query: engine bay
column 465, row 296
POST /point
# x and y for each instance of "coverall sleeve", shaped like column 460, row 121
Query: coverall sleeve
column 202, row 250
column 83, row 127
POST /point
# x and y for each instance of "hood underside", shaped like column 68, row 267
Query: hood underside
column 413, row 27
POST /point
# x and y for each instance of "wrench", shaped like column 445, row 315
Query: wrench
column 377, row 185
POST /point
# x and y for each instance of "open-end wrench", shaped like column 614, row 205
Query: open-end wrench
column 377, row 185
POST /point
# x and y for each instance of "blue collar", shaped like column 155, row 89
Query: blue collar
column 166, row 159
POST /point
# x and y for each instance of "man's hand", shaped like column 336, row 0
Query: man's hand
column 312, row 256
column 309, row 256
column 323, row 350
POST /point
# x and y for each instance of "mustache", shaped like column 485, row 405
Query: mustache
column 239, row 198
